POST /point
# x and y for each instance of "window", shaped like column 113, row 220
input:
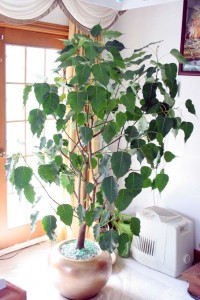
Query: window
column 27, row 55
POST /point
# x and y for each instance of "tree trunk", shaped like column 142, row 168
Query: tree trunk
column 81, row 236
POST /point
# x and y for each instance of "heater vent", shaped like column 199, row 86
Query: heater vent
column 144, row 244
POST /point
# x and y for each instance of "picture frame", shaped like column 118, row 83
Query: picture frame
column 190, row 38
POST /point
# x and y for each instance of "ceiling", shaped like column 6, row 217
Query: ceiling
column 127, row 4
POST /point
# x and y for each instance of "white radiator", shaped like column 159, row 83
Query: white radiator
column 166, row 241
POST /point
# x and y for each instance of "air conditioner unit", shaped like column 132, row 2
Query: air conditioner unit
column 166, row 241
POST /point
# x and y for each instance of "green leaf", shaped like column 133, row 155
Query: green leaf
column 41, row 90
column 150, row 151
column 120, row 163
column 145, row 172
column 134, row 56
column 161, row 181
column 189, row 105
column 81, row 118
column 101, row 73
column 91, row 51
column 134, row 116
column 97, row 212
column 50, row 103
column 124, row 245
column 86, row 134
column 26, row 92
column 110, row 188
column 180, row 58
column 49, row 224
column 65, row 212
column 147, row 183
column 99, row 198
column 123, row 200
column 76, row 160
column 22, row 176
column 137, row 143
column 58, row 160
column 36, row 119
column 89, row 187
column 117, row 58
column 114, row 44
column 109, row 132
column 77, row 101
column 187, row 127
column 89, row 217
column 111, row 34
column 97, row 97
column 81, row 213
column 82, row 73
column 66, row 55
column 149, row 93
column 60, row 123
column 43, row 141
column 134, row 183
column 109, row 241
column 131, row 133
column 169, row 156
column 47, row 173
column 146, row 46
column 67, row 183
column 171, row 72
column 29, row 193
column 164, row 125
column 121, row 119
column 135, row 226
column 57, row 139
column 60, row 110
column 96, row 30
column 128, row 100
column 96, row 231
column 105, row 216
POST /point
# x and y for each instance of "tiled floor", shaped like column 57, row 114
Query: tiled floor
column 129, row 281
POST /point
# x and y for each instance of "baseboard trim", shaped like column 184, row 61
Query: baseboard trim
column 23, row 245
column 196, row 256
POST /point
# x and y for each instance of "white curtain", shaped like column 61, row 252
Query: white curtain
column 22, row 11
column 85, row 14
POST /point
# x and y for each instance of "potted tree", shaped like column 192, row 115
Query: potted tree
column 127, row 106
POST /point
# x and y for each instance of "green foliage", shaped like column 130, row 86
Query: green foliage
column 65, row 212
column 112, row 111
column 49, row 224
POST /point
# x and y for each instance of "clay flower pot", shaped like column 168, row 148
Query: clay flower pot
column 79, row 279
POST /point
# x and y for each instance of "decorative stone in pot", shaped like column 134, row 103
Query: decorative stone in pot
column 79, row 278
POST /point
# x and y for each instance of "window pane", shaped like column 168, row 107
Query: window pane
column 15, row 138
column 14, row 102
column 15, row 63
column 35, row 65
column 32, row 142
column 18, row 212
column 51, row 56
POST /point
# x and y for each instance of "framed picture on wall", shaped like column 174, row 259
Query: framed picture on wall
column 190, row 38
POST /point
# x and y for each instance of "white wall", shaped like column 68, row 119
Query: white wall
column 140, row 27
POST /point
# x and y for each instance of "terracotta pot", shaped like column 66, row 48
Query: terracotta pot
column 79, row 279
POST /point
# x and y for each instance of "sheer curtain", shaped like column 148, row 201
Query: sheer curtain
column 86, row 15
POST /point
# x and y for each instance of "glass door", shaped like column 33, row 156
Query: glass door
column 22, row 64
